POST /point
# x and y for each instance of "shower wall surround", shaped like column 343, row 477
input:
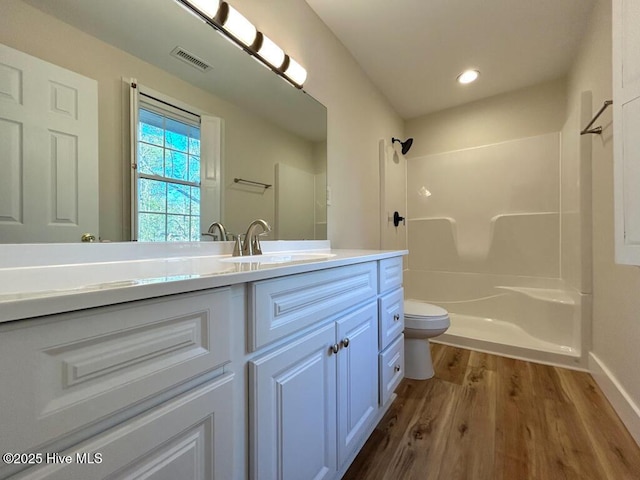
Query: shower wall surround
column 492, row 209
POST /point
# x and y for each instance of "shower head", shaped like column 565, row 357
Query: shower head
column 406, row 145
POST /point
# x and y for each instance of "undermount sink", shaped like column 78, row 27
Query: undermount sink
column 270, row 258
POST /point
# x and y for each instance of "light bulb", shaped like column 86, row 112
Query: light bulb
column 296, row 72
column 468, row 76
column 241, row 28
column 271, row 52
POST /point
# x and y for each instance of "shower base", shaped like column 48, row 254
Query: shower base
column 506, row 339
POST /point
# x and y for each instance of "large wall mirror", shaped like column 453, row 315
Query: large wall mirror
column 264, row 130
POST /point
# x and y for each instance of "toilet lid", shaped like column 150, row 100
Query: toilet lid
column 416, row 308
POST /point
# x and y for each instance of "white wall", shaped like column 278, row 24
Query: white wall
column 616, row 303
column 523, row 113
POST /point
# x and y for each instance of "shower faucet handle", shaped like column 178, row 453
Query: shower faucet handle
column 397, row 219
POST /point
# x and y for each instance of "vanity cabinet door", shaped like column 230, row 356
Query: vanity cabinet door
column 389, row 274
column 70, row 371
column 391, row 369
column 293, row 410
column 357, row 335
column 391, row 317
column 187, row 438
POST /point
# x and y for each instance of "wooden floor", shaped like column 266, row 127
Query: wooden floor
column 486, row 417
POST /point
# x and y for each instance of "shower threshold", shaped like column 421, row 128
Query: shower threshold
column 506, row 339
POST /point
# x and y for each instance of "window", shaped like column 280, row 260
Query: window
column 167, row 173
column 176, row 153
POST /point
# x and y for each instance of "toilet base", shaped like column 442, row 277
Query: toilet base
column 417, row 359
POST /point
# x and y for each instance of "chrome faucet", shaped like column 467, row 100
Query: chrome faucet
column 220, row 227
column 251, row 241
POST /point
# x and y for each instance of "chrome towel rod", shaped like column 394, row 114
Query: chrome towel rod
column 596, row 130
column 251, row 182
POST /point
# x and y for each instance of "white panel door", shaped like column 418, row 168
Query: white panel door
column 293, row 410
column 357, row 377
column 48, row 151
column 626, row 125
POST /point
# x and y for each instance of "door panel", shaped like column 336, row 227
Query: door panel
column 49, row 140
column 357, row 376
column 293, row 410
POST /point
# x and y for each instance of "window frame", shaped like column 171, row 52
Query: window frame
column 210, row 152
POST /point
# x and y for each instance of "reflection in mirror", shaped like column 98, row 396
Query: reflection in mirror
column 168, row 178
column 265, row 126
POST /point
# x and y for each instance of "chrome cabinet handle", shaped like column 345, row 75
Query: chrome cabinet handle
column 396, row 317
column 397, row 368
column 334, row 348
column 345, row 342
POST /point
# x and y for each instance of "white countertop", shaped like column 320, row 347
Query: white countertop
column 43, row 280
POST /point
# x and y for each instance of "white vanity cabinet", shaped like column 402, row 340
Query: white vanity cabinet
column 141, row 383
column 315, row 396
column 278, row 373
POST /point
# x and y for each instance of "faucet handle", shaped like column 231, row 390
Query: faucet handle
column 257, row 249
column 237, row 247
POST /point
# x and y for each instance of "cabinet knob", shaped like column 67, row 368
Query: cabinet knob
column 345, row 342
column 334, row 348
column 396, row 317
column 397, row 368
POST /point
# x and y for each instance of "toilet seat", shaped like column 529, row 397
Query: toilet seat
column 425, row 316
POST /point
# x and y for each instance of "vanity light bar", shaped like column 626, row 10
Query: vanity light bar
column 226, row 19
column 208, row 8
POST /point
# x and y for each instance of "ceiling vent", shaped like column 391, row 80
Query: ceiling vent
column 181, row 54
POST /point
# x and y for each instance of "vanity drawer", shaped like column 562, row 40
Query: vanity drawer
column 390, row 274
column 63, row 372
column 391, row 317
column 186, row 438
column 391, row 369
column 281, row 306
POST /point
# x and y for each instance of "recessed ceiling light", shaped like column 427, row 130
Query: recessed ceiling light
column 468, row 76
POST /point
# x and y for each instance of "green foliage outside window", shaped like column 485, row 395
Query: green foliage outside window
column 168, row 179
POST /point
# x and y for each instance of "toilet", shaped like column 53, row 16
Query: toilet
column 422, row 321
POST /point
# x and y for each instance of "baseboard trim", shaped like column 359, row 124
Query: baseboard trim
column 622, row 403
